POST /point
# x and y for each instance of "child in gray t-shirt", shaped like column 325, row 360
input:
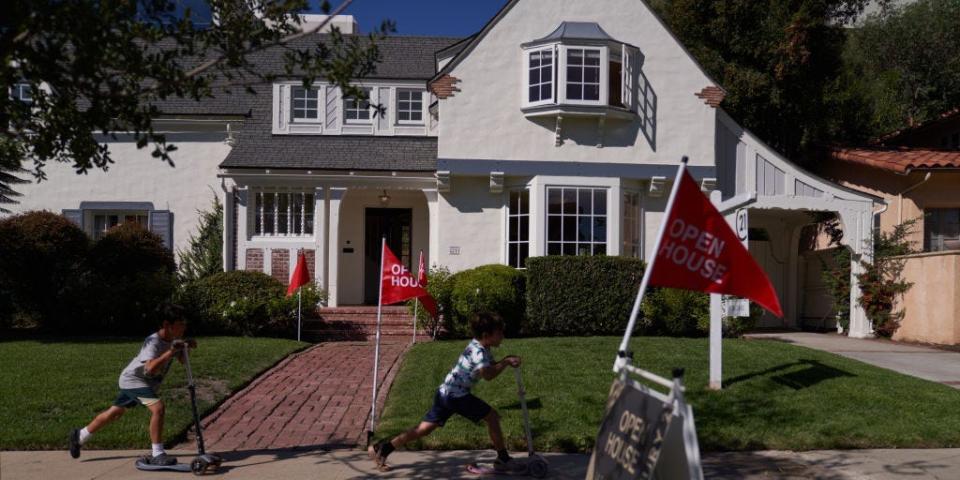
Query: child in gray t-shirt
column 139, row 382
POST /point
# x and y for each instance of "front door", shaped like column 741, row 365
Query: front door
column 395, row 224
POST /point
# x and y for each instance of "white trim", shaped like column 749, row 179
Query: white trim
column 396, row 104
column 319, row 114
column 603, row 75
column 525, row 81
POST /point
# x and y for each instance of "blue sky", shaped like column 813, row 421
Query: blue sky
column 455, row 18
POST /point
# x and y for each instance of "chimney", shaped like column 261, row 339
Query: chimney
column 346, row 23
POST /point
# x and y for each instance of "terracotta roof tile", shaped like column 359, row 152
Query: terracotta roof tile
column 898, row 159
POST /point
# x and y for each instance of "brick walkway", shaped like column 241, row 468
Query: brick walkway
column 317, row 398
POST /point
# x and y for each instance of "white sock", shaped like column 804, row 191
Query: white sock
column 85, row 435
column 158, row 449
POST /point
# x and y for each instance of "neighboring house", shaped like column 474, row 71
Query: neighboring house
column 917, row 172
column 555, row 130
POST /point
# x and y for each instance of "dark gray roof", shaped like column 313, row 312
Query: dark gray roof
column 576, row 31
column 257, row 147
column 402, row 58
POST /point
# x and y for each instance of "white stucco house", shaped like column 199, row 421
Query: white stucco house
column 555, row 130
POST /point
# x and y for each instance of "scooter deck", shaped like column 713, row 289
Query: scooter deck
column 482, row 468
column 177, row 467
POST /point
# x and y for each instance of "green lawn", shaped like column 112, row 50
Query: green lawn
column 776, row 396
column 49, row 386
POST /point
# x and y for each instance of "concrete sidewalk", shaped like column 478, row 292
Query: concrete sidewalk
column 354, row 464
column 929, row 363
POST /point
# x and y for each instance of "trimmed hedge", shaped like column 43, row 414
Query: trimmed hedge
column 245, row 303
column 487, row 288
column 40, row 264
column 129, row 274
column 582, row 295
column 674, row 313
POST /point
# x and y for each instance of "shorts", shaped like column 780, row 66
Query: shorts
column 131, row 397
column 468, row 406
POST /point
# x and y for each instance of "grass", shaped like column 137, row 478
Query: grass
column 776, row 396
column 49, row 386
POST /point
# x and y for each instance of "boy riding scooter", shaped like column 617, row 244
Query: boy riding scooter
column 139, row 382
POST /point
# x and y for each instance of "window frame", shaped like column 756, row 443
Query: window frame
column 398, row 111
column 292, row 107
column 17, row 90
column 928, row 224
column 527, row 52
column 625, row 247
column 346, row 103
column 97, row 233
column 606, row 215
column 259, row 215
column 604, row 73
column 521, row 214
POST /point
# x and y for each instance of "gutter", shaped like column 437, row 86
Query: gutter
column 909, row 189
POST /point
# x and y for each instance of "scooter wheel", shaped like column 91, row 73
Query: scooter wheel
column 538, row 467
column 198, row 466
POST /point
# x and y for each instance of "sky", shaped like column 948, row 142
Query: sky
column 454, row 18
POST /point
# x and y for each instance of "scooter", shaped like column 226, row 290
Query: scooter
column 203, row 463
column 534, row 465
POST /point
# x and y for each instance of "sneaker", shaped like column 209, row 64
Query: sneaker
column 162, row 460
column 374, row 452
column 75, row 443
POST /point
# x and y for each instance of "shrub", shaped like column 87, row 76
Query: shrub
column 41, row 258
column 204, row 256
column 128, row 274
column 674, row 313
column 737, row 326
column 569, row 295
column 440, row 286
column 488, row 288
column 245, row 303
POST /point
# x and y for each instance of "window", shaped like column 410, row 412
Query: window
column 941, row 229
column 576, row 221
column 540, row 81
column 518, row 228
column 356, row 110
column 583, row 74
column 410, row 106
column 305, row 104
column 103, row 222
column 287, row 214
column 22, row 91
column 631, row 224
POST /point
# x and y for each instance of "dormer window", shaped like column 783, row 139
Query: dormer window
column 579, row 65
column 356, row 110
column 305, row 104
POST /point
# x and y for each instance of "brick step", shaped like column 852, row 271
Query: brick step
column 390, row 335
column 367, row 320
column 363, row 309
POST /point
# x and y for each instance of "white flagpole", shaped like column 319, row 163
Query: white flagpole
column 622, row 354
column 376, row 351
column 299, row 289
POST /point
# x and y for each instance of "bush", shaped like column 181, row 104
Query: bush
column 580, row 295
column 440, row 286
column 245, row 303
column 674, row 313
column 488, row 288
column 41, row 258
column 204, row 256
column 737, row 326
column 128, row 274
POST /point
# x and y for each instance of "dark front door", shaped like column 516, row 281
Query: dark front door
column 395, row 224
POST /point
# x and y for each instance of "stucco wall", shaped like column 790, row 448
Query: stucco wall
column 932, row 305
column 138, row 177
column 492, row 86
column 472, row 220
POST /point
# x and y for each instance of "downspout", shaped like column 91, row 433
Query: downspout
column 911, row 188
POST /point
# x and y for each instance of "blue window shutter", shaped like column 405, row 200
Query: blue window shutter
column 161, row 223
column 75, row 216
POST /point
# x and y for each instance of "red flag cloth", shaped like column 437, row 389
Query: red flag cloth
column 301, row 275
column 699, row 251
column 427, row 300
column 397, row 283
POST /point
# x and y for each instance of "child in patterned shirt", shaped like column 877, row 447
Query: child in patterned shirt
column 454, row 395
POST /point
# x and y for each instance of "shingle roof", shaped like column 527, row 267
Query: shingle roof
column 257, row 147
column 898, row 159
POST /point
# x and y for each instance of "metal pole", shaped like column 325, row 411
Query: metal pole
column 622, row 352
column 299, row 289
column 376, row 351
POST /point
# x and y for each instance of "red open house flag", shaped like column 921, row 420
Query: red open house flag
column 301, row 275
column 398, row 284
column 427, row 300
column 699, row 251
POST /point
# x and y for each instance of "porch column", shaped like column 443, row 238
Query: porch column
column 243, row 216
column 792, row 307
column 433, row 226
column 861, row 246
column 228, row 224
column 334, row 199
column 320, row 233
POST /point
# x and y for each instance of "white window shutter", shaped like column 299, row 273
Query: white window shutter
column 627, row 84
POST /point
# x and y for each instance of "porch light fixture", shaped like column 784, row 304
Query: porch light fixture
column 384, row 199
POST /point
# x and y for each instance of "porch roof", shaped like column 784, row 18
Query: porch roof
column 410, row 154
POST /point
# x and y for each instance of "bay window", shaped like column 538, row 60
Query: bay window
column 540, row 76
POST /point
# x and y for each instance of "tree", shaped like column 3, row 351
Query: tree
column 778, row 60
column 99, row 67
column 204, row 256
column 903, row 65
